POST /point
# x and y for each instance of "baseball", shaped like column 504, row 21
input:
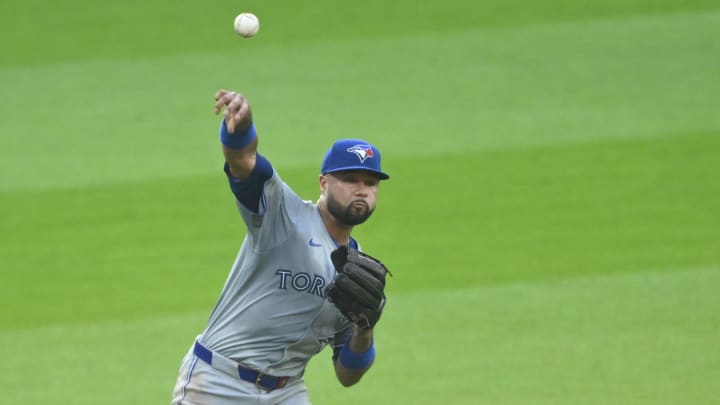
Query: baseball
column 247, row 24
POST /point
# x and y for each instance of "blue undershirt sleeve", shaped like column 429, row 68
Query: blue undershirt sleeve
column 250, row 190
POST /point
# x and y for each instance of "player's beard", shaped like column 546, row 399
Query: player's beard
column 355, row 213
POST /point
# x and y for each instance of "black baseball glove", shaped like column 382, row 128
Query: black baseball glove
column 359, row 287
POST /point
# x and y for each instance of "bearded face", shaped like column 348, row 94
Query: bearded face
column 355, row 213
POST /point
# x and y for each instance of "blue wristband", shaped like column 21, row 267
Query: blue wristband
column 357, row 361
column 237, row 140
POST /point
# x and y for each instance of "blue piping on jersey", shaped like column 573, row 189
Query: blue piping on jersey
column 352, row 243
column 187, row 380
column 250, row 191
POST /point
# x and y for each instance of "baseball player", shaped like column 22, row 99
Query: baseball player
column 292, row 289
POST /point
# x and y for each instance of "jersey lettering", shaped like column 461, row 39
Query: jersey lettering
column 301, row 281
column 317, row 286
column 283, row 277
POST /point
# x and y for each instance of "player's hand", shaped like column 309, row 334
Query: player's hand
column 238, row 115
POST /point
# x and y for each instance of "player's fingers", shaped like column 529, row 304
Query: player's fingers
column 229, row 122
column 220, row 93
column 235, row 103
column 219, row 103
column 242, row 112
column 224, row 99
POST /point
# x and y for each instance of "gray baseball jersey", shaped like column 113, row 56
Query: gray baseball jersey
column 272, row 314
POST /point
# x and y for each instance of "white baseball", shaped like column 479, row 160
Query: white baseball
column 247, row 24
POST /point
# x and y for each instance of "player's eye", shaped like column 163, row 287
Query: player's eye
column 357, row 178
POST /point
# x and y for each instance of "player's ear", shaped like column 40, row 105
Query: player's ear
column 323, row 183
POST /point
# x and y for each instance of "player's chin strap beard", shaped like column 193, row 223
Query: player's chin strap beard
column 346, row 216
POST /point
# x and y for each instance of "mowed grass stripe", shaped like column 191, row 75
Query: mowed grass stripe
column 83, row 29
column 641, row 338
column 550, row 212
column 163, row 247
column 413, row 96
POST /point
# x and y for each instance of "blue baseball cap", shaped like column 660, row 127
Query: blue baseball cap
column 353, row 154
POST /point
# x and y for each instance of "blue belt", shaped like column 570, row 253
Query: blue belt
column 263, row 381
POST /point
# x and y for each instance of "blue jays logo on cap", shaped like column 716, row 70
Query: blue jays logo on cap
column 362, row 151
column 353, row 154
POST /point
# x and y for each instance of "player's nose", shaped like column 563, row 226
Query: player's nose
column 362, row 190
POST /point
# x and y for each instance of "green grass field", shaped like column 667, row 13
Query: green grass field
column 552, row 223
